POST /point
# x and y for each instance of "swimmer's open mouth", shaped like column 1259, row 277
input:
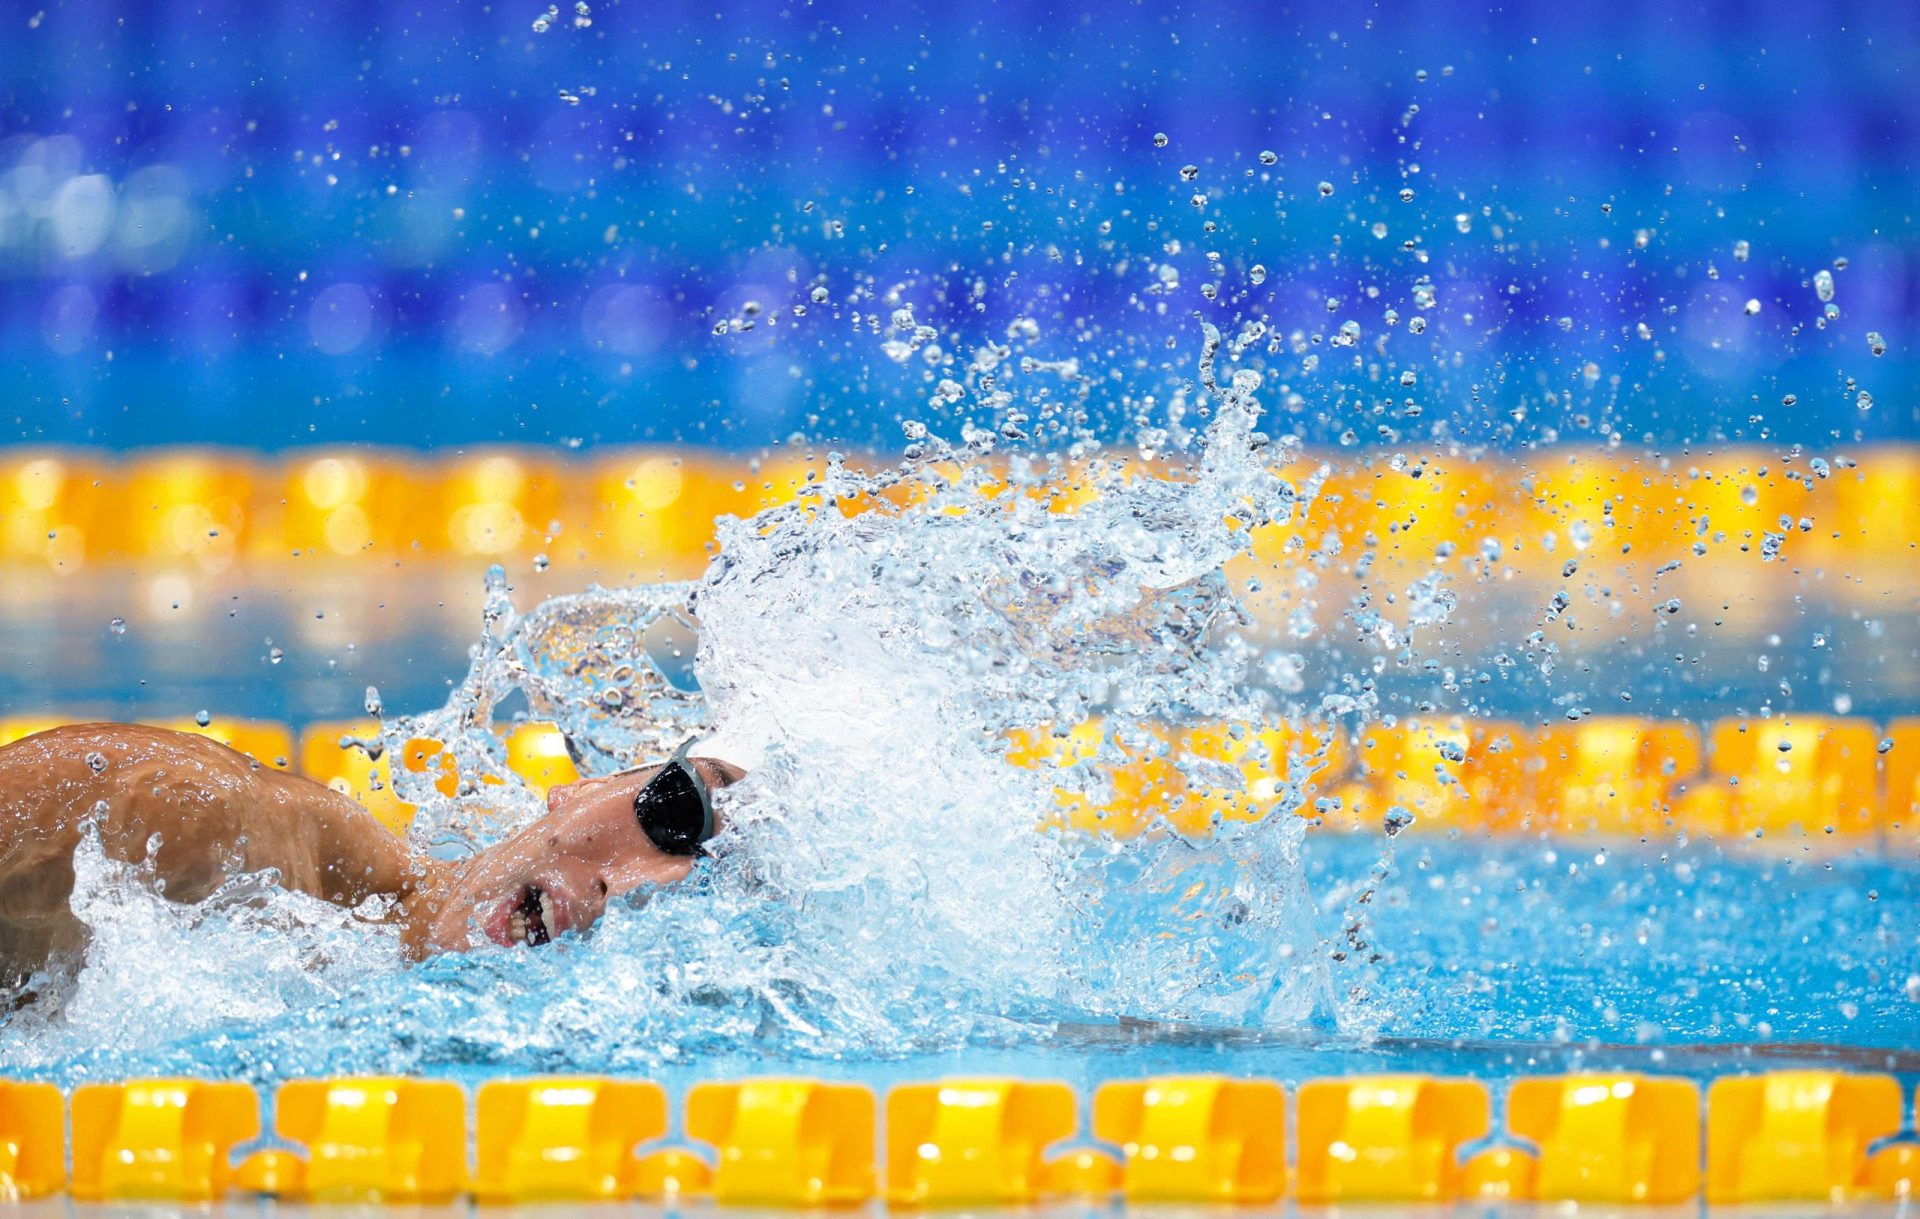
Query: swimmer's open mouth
column 532, row 921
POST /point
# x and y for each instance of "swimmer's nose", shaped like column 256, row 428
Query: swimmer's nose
column 640, row 872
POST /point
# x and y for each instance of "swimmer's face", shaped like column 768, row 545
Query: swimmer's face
column 558, row 874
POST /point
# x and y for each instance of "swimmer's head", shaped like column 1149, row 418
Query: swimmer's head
column 601, row 838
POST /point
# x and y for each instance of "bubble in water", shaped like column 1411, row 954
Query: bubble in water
column 118, row 626
column 1876, row 343
column 1159, row 139
column 1823, row 284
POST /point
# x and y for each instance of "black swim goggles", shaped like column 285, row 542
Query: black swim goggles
column 675, row 808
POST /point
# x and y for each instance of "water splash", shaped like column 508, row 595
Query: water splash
column 882, row 886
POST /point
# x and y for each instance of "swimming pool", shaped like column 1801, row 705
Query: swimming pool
column 1319, row 605
column 1551, row 895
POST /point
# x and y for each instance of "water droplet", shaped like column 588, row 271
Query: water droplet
column 1416, row 325
column 820, row 294
column 1741, row 251
column 1159, row 139
column 97, row 762
column 541, row 562
column 1864, row 401
column 1752, row 307
column 1823, row 284
column 372, row 702
column 1876, row 343
column 1396, row 820
column 1257, row 273
column 118, row 626
column 1463, row 222
column 1268, row 156
column 1408, row 377
column 203, row 718
column 1749, row 495
column 275, row 655
column 1189, row 172
column 1406, row 194
column 1326, row 188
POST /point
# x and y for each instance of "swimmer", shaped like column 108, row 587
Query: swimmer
column 217, row 812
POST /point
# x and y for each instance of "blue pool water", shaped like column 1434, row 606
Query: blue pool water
column 1028, row 241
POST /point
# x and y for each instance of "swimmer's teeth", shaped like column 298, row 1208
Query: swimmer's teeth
column 546, row 914
column 517, row 928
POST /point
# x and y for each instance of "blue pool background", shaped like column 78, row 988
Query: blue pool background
column 306, row 222
column 271, row 226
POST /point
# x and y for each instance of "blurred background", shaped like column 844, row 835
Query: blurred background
column 271, row 225
column 310, row 312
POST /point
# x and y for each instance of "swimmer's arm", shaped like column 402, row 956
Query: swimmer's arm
column 216, row 812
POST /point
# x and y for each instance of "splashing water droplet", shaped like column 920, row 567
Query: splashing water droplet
column 1823, row 284
column 118, row 626
column 1876, row 343
column 1269, row 157
column 1326, row 188
column 1159, row 139
column 203, row 718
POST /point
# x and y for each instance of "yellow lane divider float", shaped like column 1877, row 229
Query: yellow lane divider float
column 1788, row 1136
column 649, row 511
column 1802, row 776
